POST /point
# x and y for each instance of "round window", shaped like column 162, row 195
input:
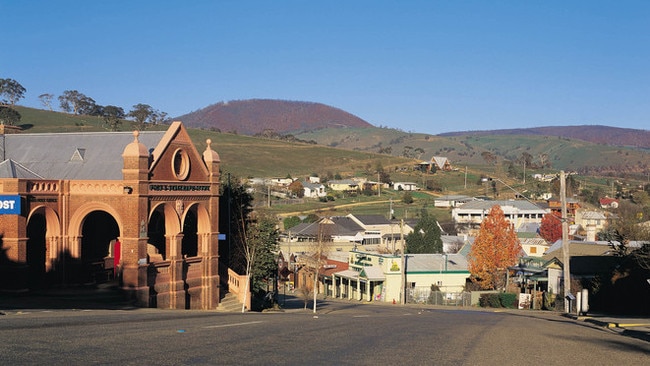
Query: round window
column 181, row 164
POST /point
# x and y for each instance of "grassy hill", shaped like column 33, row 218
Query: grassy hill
column 561, row 153
column 254, row 116
column 242, row 156
column 354, row 152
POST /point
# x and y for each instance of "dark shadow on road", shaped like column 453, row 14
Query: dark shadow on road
column 106, row 296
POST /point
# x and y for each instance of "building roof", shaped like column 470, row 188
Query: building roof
column 12, row 169
column 333, row 266
column 435, row 263
column 77, row 155
column 312, row 186
column 344, row 181
column 371, row 219
column 533, row 241
column 454, row 197
column 336, row 226
column 372, row 273
column 487, row 205
column 440, row 161
column 580, row 248
column 593, row 215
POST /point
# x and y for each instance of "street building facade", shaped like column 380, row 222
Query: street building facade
column 140, row 207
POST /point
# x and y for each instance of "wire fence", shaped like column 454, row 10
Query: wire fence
column 424, row 295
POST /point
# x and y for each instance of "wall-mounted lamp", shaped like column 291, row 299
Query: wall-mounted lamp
column 128, row 190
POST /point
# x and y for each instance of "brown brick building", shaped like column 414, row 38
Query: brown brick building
column 71, row 196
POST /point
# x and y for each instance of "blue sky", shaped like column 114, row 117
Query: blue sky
column 422, row 66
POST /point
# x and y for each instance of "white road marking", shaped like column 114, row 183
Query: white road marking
column 233, row 325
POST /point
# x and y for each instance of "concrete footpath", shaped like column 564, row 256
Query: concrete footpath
column 636, row 327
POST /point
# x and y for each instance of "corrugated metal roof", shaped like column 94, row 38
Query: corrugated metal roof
column 436, row 262
column 372, row 219
column 11, row 169
column 81, row 155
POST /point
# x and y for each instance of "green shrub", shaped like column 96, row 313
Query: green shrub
column 508, row 300
column 498, row 300
column 489, row 301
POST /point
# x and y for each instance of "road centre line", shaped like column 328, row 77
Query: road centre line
column 233, row 325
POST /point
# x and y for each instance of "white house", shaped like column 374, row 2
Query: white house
column 314, row 190
column 405, row 186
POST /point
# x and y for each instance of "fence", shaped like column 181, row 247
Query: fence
column 424, row 295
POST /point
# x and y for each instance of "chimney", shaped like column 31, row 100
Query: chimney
column 591, row 232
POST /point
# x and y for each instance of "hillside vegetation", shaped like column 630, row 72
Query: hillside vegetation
column 250, row 117
column 241, row 156
column 550, row 152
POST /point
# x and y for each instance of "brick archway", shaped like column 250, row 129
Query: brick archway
column 76, row 224
column 53, row 243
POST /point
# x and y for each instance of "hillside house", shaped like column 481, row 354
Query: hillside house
column 314, row 190
column 590, row 222
column 345, row 185
column 405, row 186
column 608, row 202
column 468, row 217
column 441, row 163
column 389, row 231
column 534, row 247
column 345, row 233
column 436, row 163
column 280, row 182
column 452, row 200
column 555, row 205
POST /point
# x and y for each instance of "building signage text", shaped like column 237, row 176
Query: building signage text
column 178, row 188
column 9, row 205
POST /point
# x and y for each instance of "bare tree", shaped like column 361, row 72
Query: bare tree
column 46, row 100
column 314, row 263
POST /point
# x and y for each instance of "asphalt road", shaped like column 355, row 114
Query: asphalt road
column 339, row 334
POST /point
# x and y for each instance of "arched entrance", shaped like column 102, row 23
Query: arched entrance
column 36, row 252
column 44, row 257
column 99, row 231
column 189, row 246
column 156, row 232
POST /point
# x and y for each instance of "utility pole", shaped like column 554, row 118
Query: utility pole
column 378, row 185
column 566, row 257
column 465, row 177
column 403, row 287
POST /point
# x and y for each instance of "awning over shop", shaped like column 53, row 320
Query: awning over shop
column 372, row 274
column 348, row 273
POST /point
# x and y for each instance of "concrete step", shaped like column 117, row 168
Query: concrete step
column 229, row 304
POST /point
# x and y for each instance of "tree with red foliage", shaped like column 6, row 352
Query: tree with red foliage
column 551, row 228
column 495, row 249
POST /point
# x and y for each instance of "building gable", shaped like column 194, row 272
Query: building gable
column 176, row 159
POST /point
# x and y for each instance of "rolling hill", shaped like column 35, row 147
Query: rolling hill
column 597, row 134
column 250, row 117
column 353, row 149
